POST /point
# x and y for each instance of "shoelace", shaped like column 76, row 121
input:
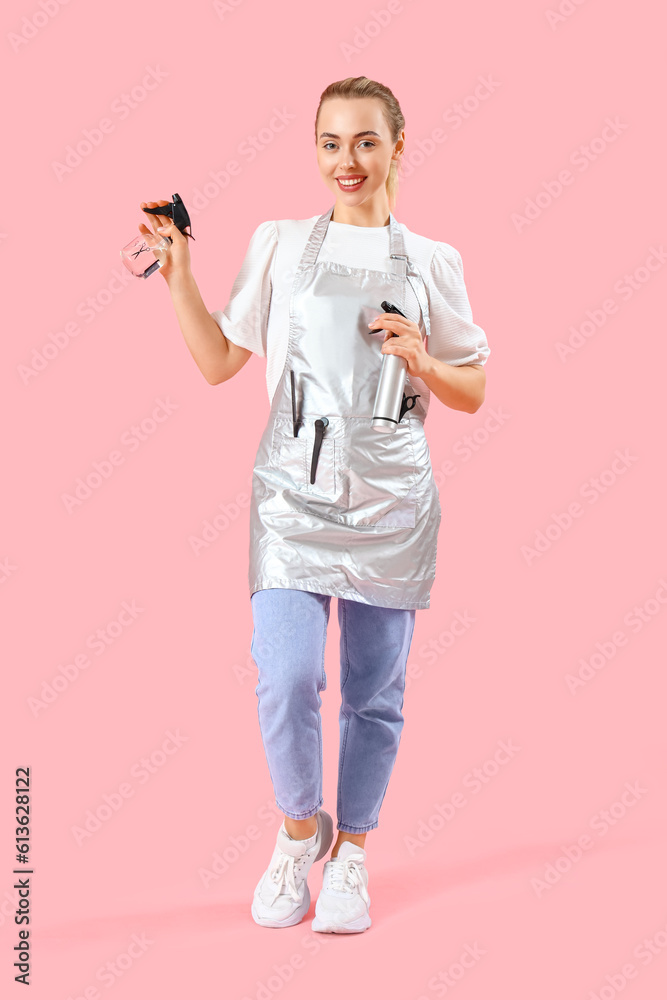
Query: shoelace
column 346, row 875
column 283, row 874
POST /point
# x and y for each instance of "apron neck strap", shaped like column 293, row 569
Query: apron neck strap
column 319, row 231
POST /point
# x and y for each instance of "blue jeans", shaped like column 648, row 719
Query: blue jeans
column 288, row 641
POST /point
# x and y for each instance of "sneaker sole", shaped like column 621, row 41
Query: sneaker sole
column 326, row 838
column 294, row 918
column 353, row 927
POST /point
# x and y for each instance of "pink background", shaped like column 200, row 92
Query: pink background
column 548, row 436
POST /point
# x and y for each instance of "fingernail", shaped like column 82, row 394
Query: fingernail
column 161, row 229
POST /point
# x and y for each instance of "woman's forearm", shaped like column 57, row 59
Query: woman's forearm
column 460, row 387
column 205, row 340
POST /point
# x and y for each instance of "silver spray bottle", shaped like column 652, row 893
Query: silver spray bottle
column 390, row 400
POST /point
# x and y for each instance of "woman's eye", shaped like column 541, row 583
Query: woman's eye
column 364, row 143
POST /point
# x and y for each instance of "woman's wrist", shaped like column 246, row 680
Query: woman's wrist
column 179, row 279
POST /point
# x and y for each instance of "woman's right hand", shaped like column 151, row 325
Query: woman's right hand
column 178, row 254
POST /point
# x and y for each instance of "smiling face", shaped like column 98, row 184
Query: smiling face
column 354, row 143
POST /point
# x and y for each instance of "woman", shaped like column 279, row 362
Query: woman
column 337, row 508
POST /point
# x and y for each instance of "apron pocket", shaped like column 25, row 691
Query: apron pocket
column 362, row 478
column 379, row 475
column 291, row 463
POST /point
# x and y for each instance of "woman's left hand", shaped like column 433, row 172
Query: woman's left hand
column 408, row 344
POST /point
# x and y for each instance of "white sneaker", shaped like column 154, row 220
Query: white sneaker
column 282, row 897
column 342, row 905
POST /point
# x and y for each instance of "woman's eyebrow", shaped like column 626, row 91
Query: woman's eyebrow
column 332, row 135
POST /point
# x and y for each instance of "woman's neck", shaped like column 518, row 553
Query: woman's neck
column 364, row 216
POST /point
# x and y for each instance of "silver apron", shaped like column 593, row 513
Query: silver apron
column 367, row 528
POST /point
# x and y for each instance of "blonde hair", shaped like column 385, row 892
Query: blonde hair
column 361, row 86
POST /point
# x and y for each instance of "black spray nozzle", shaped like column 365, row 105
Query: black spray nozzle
column 389, row 307
column 176, row 211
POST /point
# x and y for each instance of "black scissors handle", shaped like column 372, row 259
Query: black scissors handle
column 409, row 403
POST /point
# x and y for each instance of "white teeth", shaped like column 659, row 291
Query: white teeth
column 350, row 183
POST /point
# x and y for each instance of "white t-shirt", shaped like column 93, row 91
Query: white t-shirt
column 257, row 314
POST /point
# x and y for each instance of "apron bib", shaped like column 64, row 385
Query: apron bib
column 366, row 528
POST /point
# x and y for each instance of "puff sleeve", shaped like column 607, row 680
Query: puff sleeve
column 455, row 338
column 244, row 320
